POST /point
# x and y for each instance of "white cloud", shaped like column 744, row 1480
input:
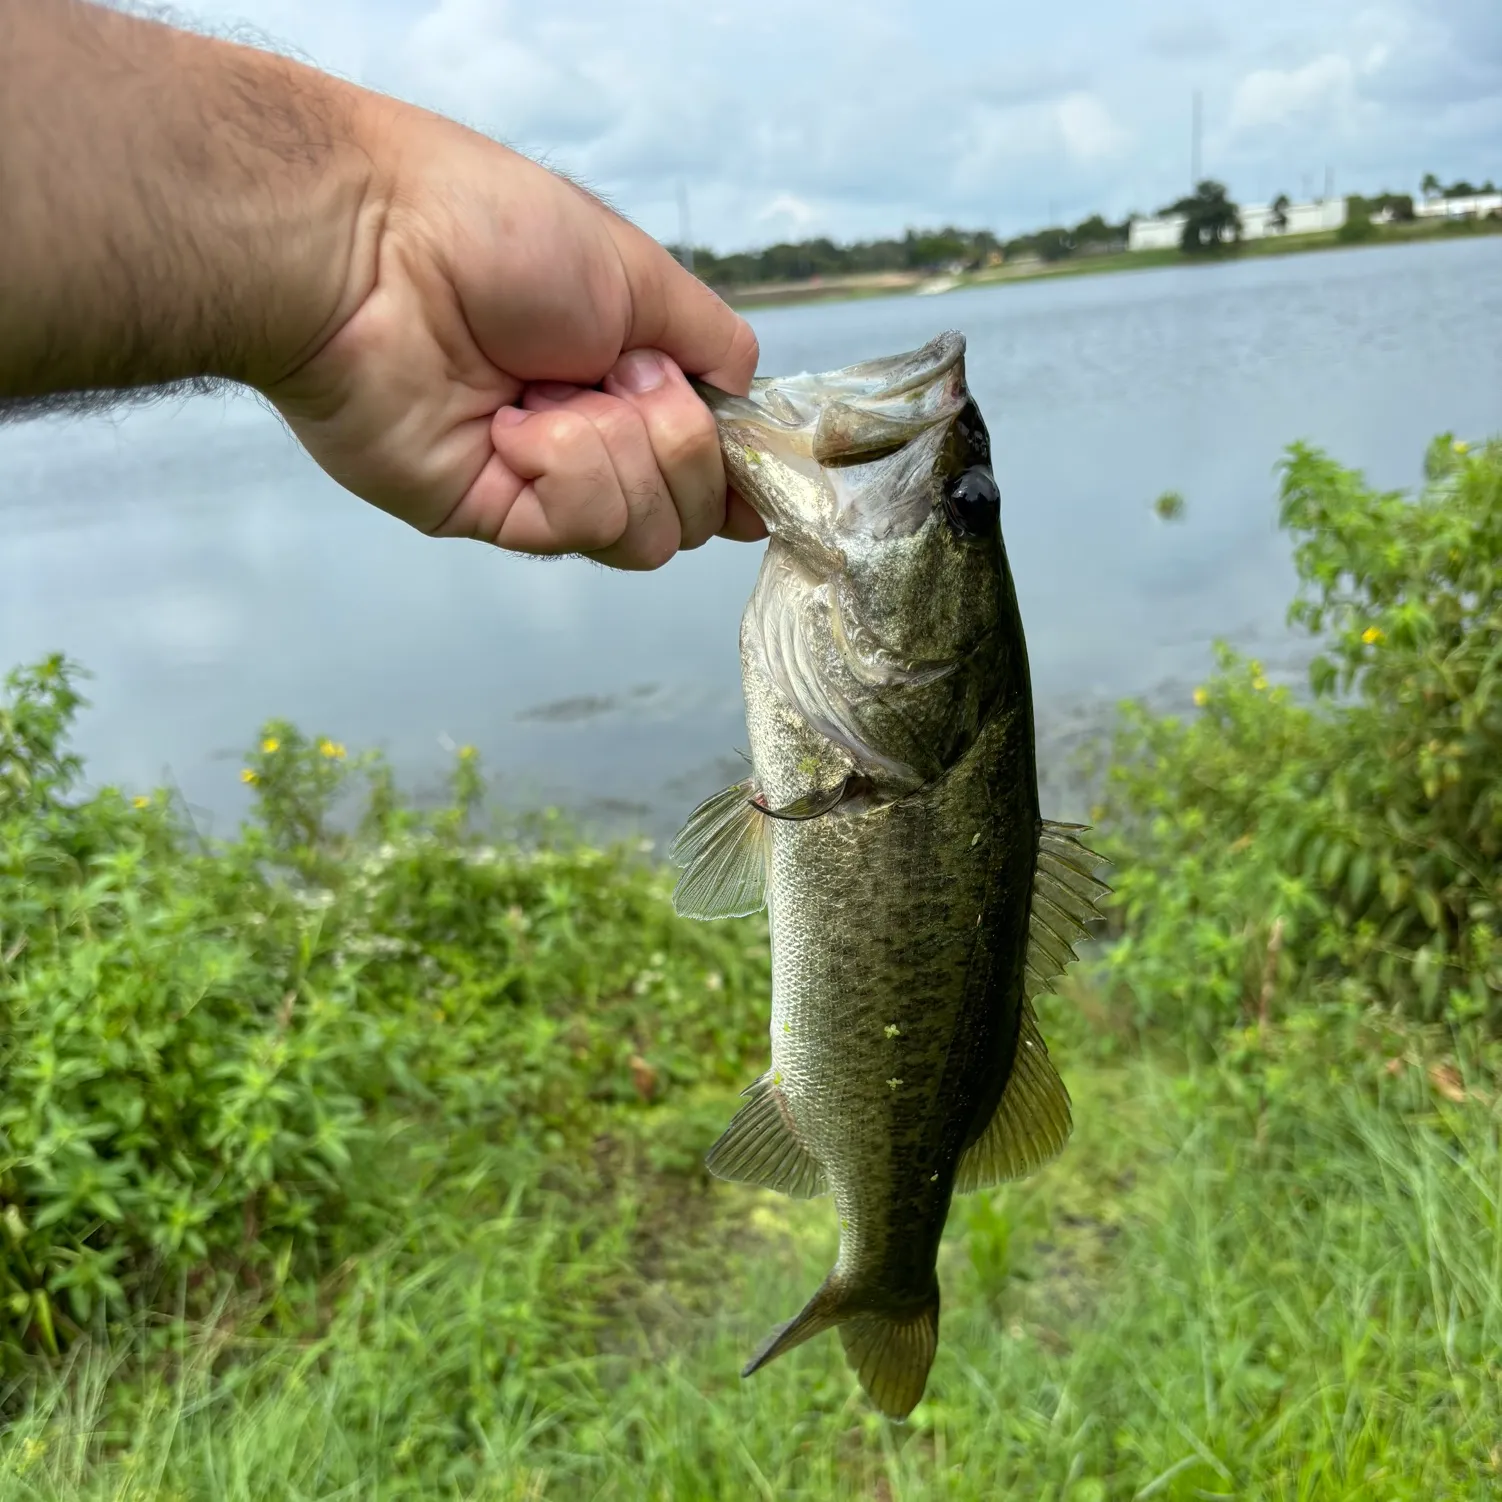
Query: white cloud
column 1188, row 34
column 791, row 209
column 997, row 147
column 876, row 114
column 500, row 67
column 1273, row 96
column 1089, row 133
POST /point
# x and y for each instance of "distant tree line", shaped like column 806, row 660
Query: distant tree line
column 1431, row 187
column 944, row 249
column 917, row 250
column 1211, row 219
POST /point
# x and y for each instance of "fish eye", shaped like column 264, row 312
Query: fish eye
column 973, row 503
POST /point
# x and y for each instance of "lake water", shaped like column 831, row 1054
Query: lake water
column 211, row 577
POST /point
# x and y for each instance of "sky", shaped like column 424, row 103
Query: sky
column 785, row 119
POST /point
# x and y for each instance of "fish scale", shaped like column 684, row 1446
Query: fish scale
column 855, row 954
column 917, row 902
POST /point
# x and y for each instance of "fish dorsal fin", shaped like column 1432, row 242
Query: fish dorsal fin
column 1066, row 901
column 761, row 1146
column 1032, row 1120
column 724, row 850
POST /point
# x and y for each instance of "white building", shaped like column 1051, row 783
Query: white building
column 1256, row 223
column 1155, row 234
column 1476, row 206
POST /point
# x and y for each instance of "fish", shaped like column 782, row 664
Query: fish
column 917, row 901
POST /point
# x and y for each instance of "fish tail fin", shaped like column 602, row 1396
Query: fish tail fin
column 890, row 1350
column 892, row 1353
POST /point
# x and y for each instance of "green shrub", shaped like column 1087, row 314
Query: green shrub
column 229, row 1068
column 1350, row 847
column 1358, row 225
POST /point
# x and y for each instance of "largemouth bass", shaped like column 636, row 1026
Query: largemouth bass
column 890, row 823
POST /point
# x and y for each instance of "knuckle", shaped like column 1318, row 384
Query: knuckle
column 603, row 514
column 655, row 549
column 563, row 431
column 747, row 348
column 663, row 553
column 620, row 425
column 684, row 434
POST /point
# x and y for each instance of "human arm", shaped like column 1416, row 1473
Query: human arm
column 406, row 292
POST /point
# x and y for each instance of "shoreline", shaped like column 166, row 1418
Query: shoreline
column 910, row 284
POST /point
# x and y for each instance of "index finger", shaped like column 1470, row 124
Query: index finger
column 672, row 310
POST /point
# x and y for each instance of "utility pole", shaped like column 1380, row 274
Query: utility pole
column 1196, row 132
column 685, row 230
column 1329, row 183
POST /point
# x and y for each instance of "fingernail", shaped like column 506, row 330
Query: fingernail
column 640, row 371
column 509, row 417
column 553, row 391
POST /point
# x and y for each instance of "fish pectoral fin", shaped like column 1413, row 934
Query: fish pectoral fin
column 816, row 1316
column 812, row 805
column 1066, row 901
column 1031, row 1123
column 761, row 1146
column 724, row 850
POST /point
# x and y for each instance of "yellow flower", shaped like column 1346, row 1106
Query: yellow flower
column 467, row 753
column 1259, row 683
column 331, row 749
column 141, row 801
column 1461, row 446
column 248, row 777
column 271, row 745
column 1200, row 696
column 1372, row 635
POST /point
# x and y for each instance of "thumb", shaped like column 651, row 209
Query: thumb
column 672, row 310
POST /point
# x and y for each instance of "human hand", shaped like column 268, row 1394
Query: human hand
column 513, row 367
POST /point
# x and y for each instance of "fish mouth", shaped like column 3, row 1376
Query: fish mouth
column 836, row 417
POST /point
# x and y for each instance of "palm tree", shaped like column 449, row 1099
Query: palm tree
column 1210, row 218
column 1430, row 187
column 1278, row 219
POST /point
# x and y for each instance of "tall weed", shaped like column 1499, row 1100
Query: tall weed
column 1347, row 847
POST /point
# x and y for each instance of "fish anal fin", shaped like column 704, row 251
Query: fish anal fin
column 724, row 850
column 819, row 1314
column 761, row 1146
column 1031, row 1123
column 892, row 1354
column 1066, row 901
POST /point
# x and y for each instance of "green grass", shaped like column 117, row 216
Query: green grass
column 1211, row 1295
column 362, row 1157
